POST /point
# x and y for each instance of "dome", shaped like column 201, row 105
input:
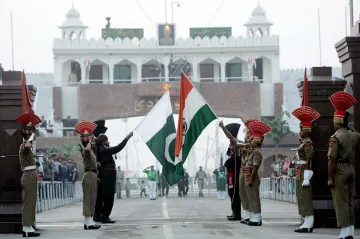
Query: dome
column 258, row 17
column 73, row 19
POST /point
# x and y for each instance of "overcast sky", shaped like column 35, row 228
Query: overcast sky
column 296, row 21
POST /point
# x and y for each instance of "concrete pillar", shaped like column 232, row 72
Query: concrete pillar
column 111, row 74
column 139, row 71
column 83, row 73
column 275, row 68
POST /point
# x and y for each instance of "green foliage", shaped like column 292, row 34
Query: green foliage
column 280, row 127
column 69, row 149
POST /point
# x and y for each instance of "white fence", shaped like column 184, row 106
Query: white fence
column 280, row 189
column 57, row 194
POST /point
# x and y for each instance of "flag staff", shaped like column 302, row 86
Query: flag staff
column 351, row 6
column 12, row 41
column 319, row 36
column 346, row 27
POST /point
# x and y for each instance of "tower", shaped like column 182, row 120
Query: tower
column 73, row 28
column 258, row 23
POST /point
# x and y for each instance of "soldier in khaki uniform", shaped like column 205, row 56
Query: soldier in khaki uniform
column 120, row 177
column 242, row 184
column 89, row 181
column 259, row 129
column 303, row 167
column 29, row 177
column 341, row 174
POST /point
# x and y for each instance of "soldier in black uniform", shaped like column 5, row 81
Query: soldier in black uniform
column 233, row 165
column 108, row 178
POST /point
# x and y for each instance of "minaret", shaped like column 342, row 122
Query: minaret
column 258, row 22
column 73, row 28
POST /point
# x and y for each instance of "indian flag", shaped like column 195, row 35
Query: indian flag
column 194, row 115
column 158, row 131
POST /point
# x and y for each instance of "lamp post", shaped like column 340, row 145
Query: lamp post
column 172, row 10
column 126, row 148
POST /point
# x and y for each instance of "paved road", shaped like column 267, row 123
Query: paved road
column 172, row 218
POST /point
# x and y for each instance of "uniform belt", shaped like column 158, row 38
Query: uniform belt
column 300, row 162
column 343, row 161
column 30, row 168
column 91, row 170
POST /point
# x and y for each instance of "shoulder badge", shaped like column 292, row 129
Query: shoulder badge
column 332, row 141
column 308, row 145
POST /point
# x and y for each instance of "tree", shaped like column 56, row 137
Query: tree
column 279, row 129
column 69, row 149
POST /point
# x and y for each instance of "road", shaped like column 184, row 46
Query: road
column 173, row 218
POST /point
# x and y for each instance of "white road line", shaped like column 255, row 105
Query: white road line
column 167, row 229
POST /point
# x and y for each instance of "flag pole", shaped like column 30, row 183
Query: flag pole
column 12, row 40
column 351, row 6
column 346, row 27
column 319, row 35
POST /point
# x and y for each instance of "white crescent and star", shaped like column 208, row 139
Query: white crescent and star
column 168, row 141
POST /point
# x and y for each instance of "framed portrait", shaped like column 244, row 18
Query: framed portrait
column 166, row 34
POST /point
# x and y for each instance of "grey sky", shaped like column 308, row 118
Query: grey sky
column 36, row 25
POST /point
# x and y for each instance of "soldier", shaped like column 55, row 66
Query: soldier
column 233, row 166
column 341, row 174
column 306, row 115
column 29, row 176
column 242, row 189
column 108, row 179
column 89, row 181
column 119, row 181
column 259, row 129
column 200, row 177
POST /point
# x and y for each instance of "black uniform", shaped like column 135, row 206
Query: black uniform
column 181, row 187
column 164, row 186
column 105, row 203
column 233, row 172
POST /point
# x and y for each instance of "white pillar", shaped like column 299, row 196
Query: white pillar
column 139, row 72
column 57, row 72
column 223, row 71
column 166, row 64
column 194, row 75
column 111, row 74
column 83, row 74
column 275, row 68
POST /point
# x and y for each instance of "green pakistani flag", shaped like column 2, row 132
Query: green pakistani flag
column 158, row 131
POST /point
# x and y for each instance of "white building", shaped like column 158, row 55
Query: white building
column 219, row 59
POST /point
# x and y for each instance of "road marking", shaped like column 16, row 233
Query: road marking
column 167, row 229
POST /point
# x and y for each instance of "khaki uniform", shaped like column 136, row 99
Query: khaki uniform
column 200, row 177
column 304, row 194
column 29, row 186
column 89, row 183
column 341, row 146
column 253, row 192
column 242, row 184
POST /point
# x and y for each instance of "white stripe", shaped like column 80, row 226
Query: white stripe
column 30, row 167
column 155, row 119
column 193, row 103
column 167, row 229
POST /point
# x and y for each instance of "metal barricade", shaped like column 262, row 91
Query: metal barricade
column 280, row 189
column 57, row 194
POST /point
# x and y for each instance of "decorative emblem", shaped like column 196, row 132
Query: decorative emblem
column 10, row 132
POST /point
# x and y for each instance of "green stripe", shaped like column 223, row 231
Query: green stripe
column 157, row 146
column 199, row 122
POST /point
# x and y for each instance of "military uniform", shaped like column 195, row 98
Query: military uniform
column 252, row 179
column 29, row 176
column 89, row 181
column 233, row 166
column 119, row 181
column 303, row 173
column 341, row 149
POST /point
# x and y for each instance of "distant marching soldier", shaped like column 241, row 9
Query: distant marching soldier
column 242, row 189
column 341, row 174
column 259, row 129
column 89, row 181
column 306, row 115
column 200, row 177
column 29, row 176
column 233, row 166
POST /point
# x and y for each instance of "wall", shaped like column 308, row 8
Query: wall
column 44, row 102
column 69, row 102
column 267, row 99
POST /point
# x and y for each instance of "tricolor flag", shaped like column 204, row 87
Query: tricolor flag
column 194, row 115
column 27, row 107
column 158, row 131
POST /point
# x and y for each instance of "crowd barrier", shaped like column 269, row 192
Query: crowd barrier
column 280, row 189
column 57, row 194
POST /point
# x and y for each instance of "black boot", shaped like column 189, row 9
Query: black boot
column 304, row 230
column 108, row 220
column 92, row 227
column 245, row 221
column 256, row 224
column 31, row 234
column 97, row 219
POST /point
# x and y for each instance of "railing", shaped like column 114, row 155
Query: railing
column 163, row 79
column 280, row 189
column 57, row 194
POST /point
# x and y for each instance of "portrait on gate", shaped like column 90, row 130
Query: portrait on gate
column 166, row 34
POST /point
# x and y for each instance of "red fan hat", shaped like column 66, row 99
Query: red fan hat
column 85, row 129
column 28, row 122
column 306, row 115
column 249, row 133
column 259, row 129
column 341, row 101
